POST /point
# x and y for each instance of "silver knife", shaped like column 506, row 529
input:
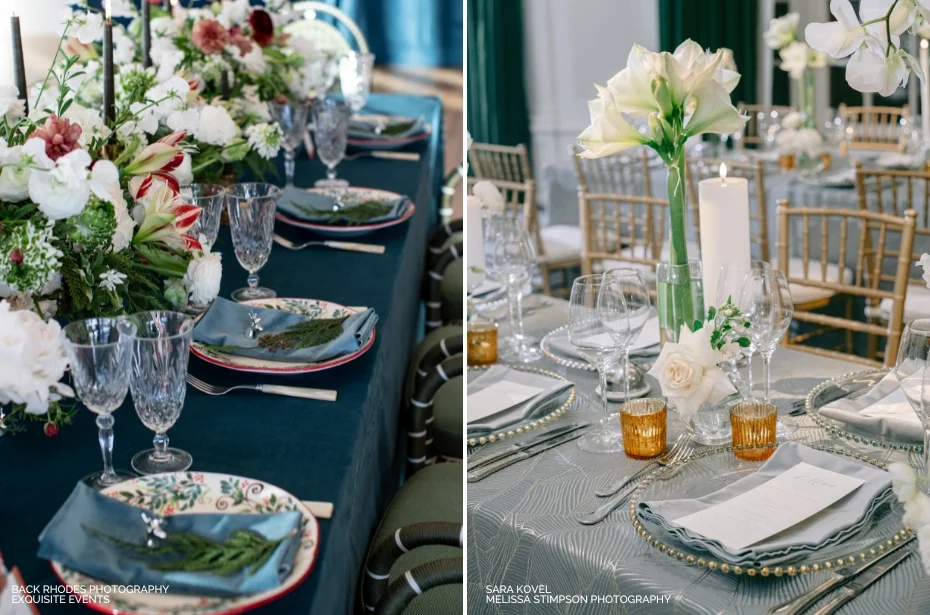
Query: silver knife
column 518, row 446
column 860, row 583
column 485, row 471
column 838, row 577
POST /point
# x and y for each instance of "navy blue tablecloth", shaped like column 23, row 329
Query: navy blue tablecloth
column 344, row 452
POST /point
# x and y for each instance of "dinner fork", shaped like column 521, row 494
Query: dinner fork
column 337, row 245
column 274, row 389
column 405, row 156
column 663, row 460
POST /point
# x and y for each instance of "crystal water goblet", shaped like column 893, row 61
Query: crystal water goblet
column 766, row 303
column 291, row 116
column 594, row 342
column 355, row 72
column 158, row 382
column 251, row 219
column 913, row 378
column 624, row 307
column 331, row 134
column 729, row 286
column 99, row 352
column 211, row 199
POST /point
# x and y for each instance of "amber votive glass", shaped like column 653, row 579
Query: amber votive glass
column 786, row 162
column 482, row 343
column 754, row 424
column 826, row 161
column 643, row 424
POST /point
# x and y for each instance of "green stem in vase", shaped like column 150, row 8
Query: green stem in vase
column 680, row 290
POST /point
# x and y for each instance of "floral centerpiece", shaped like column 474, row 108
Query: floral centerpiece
column 681, row 95
column 796, row 59
column 796, row 138
column 91, row 224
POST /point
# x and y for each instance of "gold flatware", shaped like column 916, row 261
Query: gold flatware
column 336, row 245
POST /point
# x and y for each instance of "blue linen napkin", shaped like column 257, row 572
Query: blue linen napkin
column 67, row 541
column 226, row 323
column 359, row 129
column 292, row 196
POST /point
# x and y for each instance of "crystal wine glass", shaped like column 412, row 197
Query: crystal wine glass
column 766, row 302
column 911, row 373
column 587, row 333
column 210, row 198
column 355, row 73
column 160, row 352
column 624, row 307
column 99, row 352
column 251, row 219
column 729, row 286
column 509, row 257
column 331, row 133
column 291, row 116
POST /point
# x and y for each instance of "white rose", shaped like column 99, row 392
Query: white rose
column 216, row 127
column 782, row 31
column 203, row 276
column 62, row 191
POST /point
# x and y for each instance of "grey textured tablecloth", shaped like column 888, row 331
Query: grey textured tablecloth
column 522, row 527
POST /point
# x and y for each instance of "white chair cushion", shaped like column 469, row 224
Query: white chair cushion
column 801, row 293
column 560, row 242
column 916, row 304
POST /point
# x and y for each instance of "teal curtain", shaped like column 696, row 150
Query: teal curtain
column 714, row 24
column 497, row 107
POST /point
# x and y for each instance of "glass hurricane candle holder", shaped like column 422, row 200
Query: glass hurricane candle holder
column 482, row 343
column 754, row 425
column 643, row 422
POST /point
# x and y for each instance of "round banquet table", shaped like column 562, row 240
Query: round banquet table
column 522, row 527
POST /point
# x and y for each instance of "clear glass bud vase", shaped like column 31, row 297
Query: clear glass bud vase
column 680, row 297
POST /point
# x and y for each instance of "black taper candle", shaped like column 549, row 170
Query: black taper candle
column 19, row 64
column 224, row 85
column 109, row 90
column 146, row 33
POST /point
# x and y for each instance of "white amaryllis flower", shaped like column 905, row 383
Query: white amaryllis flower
column 782, row 31
column 609, row 131
column 60, row 190
column 491, row 199
column 688, row 374
column 796, row 57
column 216, row 127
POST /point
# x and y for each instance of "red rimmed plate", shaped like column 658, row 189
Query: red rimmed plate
column 197, row 492
column 312, row 308
column 354, row 195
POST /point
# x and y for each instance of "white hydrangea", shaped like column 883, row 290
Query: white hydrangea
column 204, row 273
column 11, row 107
column 216, row 127
column 90, row 121
column 265, row 139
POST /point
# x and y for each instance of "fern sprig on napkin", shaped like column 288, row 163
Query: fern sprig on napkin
column 351, row 215
column 306, row 334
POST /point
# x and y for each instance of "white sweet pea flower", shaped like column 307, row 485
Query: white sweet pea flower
column 903, row 15
column 124, row 49
column 184, row 174
column 104, row 183
column 491, row 199
column 145, row 121
column 163, row 27
column 172, row 94
column 87, row 27
column 838, row 38
column 782, row 31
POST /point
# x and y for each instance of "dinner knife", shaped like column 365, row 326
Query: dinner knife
column 500, row 464
column 860, row 583
column 839, row 577
column 518, row 446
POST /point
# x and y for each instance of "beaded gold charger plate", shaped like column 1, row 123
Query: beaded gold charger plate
column 714, row 468
column 553, row 411
column 849, row 385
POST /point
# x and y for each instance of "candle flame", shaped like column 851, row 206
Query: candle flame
column 924, row 44
column 723, row 171
column 108, row 9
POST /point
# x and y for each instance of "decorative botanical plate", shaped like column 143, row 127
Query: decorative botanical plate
column 713, row 468
column 846, row 385
column 355, row 230
column 312, row 308
column 391, row 144
column 197, row 492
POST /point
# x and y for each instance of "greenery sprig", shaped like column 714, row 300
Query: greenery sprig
column 350, row 216
column 305, row 334
column 728, row 322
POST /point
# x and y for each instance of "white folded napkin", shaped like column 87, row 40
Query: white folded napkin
column 502, row 396
column 883, row 410
column 485, row 288
column 648, row 339
column 895, row 160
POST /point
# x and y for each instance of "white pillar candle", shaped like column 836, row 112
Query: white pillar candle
column 723, row 204
column 474, row 240
column 925, row 91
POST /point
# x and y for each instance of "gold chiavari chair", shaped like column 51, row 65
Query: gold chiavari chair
column 623, row 173
column 874, row 128
column 894, row 192
column 621, row 230
column 751, row 135
column 501, row 162
column 754, row 172
column 873, row 231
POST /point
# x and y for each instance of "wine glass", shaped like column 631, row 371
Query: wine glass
column 766, row 303
column 509, row 257
column 594, row 341
column 210, row 198
column 331, row 133
column 729, row 286
column 624, row 307
column 911, row 373
column 98, row 353
column 158, row 382
column 355, row 72
column 291, row 116
column 251, row 219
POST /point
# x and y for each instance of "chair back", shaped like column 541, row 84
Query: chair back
column 754, row 172
column 870, row 245
column 875, row 128
column 621, row 227
column 757, row 114
column 623, row 173
column 326, row 36
column 519, row 204
column 500, row 162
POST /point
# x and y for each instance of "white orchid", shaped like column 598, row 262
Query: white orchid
column 782, row 31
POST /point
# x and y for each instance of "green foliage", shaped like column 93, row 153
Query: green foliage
column 92, row 228
column 350, row 216
column 729, row 324
column 306, row 334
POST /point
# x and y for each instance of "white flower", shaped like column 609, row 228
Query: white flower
column 165, row 56
column 104, row 183
column 250, row 107
column 122, row 8
column 713, row 112
column 794, row 59
column 11, row 107
column 688, row 374
column 163, row 27
column 184, row 173
column 203, row 276
column 87, row 27
column 144, row 120
column 125, row 225
column 62, row 190
column 216, row 127
column 110, row 279
column 490, row 197
column 234, row 12
column 904, row 481
column 923, row 541
column 124, row 50
column 808, row 141
column 172, row 94
column 90, row 121
column 924, row 264
column 254, row 60
column 14, row 181
column 782, row 31
column 868, row 71
column 32, row 360
column 187, row 120
column 265, row 139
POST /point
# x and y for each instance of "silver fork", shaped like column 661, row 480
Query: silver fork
column 274, row 389
column 663, row 460
column 405, row 156
column 337, row 245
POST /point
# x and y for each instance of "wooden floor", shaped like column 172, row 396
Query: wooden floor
column 447, row 83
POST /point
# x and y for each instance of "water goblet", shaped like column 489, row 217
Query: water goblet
column 729, row 286
column 624, row 307
column 99, row 352
column 766, row 302
column 291, row 116
column 355, row 73
column 211, row 199
column 158, row 382
column 913, row 378
column 331, row 134
column 251, row 220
